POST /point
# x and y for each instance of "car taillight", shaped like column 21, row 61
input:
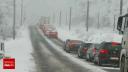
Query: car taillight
column 103, row 51
column 94, row 51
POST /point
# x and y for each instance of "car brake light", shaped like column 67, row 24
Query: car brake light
column 103, row 51
column 94, row 51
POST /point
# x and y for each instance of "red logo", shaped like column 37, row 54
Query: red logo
column 8, row 63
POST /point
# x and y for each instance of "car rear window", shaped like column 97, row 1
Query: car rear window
column 106, row 46
column 87, row 45
column 111, row 46
column 75, row 41
column 97, row 46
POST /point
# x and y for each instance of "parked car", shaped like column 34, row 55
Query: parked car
column 108, row 53
column 91, row 52
column 83, row 50
column 72, row 45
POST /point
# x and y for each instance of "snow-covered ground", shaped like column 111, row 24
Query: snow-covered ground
column 94, row 35
column 21, row 50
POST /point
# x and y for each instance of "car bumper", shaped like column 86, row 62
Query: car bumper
column 110, row 60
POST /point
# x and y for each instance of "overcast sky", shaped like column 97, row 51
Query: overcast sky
column 36, row 8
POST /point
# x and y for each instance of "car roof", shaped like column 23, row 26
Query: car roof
column 87, row 44
column 76, row 40
column 126, row 15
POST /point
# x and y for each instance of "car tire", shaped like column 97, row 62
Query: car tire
column 80, row 55
column 95, row 62
column 91, row 59
column 64, row 48
column 67, row 49
column 123, row 65
column 87, row 57
column 99, row 62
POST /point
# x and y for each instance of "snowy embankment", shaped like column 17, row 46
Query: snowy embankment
column 94, row 35
column 21, row 50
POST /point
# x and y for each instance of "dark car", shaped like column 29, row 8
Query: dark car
column 91, row 52
column 83, row 49
column 108, row 53
column 72, row 45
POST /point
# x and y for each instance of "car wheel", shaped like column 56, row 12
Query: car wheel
column 80, row 55
column 67, row 49
column 123, row 67
column 87, row 57
column 99, row 62
column 95, row 62
column 64, row 48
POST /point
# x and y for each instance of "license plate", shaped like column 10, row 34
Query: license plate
column 114, row 58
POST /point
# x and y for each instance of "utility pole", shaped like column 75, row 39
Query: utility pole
column 60, row 19
column 14, row 18
column 114, row 24
column 98, row 26
column 70, row 18
column 53, row 18
column 21, row 12
column 66, row 18
column 87, row 17
column 121, row 6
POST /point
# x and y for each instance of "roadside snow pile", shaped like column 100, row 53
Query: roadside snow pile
column 65, row 34
column 21, row 50
column 93, row 35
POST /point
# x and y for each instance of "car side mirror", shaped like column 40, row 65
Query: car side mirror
column 2, row 46
column 119, row 24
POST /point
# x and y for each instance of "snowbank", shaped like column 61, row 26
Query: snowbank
column 94, row 35
column 20, row 49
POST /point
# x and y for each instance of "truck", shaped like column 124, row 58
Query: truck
column 122, row 27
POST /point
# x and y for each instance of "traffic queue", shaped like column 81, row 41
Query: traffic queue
column 104, row 53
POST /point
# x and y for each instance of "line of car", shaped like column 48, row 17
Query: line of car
column 105, row 53
column 49, row 30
